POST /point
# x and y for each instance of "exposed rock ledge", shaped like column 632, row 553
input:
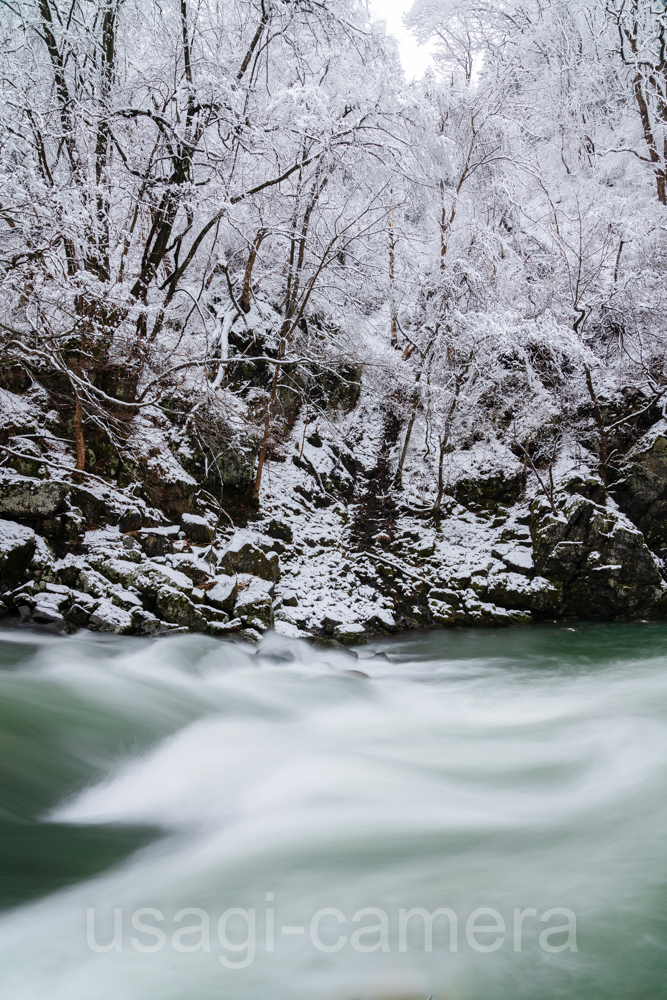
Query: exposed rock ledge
column 75, row 556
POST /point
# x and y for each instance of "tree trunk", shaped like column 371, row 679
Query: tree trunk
column 392, row 264
column 602, row 430
column 441, row 486
column 267, row 429
column 247, row 277
column 78, row 434
column 649, row 138
column 408, row 433
column 415, row 404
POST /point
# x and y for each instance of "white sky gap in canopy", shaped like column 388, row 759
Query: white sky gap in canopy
column 415, row 58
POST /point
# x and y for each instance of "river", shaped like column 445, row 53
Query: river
column 184, row 819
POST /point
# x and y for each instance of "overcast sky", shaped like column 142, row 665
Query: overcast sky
column 414, row 57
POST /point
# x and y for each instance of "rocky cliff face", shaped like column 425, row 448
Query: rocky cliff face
column 91, row 556
column 641, row 490
column 336, row 549
column 151, row 579
column 597, row 560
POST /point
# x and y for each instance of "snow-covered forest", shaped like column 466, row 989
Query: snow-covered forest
column 250, row 275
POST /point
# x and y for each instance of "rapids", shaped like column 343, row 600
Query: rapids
column 492, row 771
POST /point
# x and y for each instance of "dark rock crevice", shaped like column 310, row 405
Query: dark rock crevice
column 375, row 511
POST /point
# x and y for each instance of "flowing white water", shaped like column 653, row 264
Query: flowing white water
column 515, row 770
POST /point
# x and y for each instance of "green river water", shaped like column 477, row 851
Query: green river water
column 184, row 819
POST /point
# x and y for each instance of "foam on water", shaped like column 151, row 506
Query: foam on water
column 526, row 769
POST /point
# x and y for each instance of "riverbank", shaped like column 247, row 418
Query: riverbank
column 89, row 555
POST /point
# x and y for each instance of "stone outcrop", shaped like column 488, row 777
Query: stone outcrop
column 73, row 556
column 17, row 545
column 174, row 606
column 489, row 491
column 641, row 490
column 243, row 555
column 587, row 560
column 174, row 465
column 43, row 501
column 596, row 560
column 350, row 634
column 197, row 528
column 150, row 580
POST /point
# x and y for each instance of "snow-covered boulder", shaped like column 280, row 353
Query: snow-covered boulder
column 17, row 545
column 194, row 568
column 158, row 541
column 514, row 590
column 197, row 528
column 223, row 594
column 176, row 607
column 47, row 609
column 289, row 630
column 43, row 499
column 154, row 577
column 243, row 555
column 254, row 601
column 120, row 571
column 131, row 519
column 223, row 629
column 517, row 557
column 79, row 612
column 279, row 529
column 289, row 598
column 107, row 617
column 350, row 634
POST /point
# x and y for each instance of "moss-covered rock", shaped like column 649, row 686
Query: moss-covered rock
column 175, row 606
column 488, row 491
column 244, row 555
column 599, row 559
column 350, row 634
column 280, row 530
column 158, row 541
column 641, row 489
